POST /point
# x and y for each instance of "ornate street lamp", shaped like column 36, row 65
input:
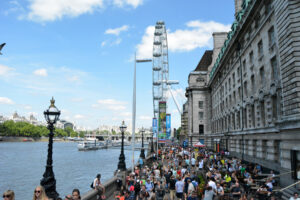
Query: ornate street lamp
column 48, row 181
column 152, row 148
column 122, row 164
column 142, row 155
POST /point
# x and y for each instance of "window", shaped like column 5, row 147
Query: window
column 253, row 116
column 240, row 94
column 274, row 108
column 200, row 115
column 201, row 104
column 234, row 97
column 271, row 35
column 245, row 89
column 229, row 84
column 257, row 20
column 244, row 66
column 260, row 48
column 245, row 117
column 233, row 79
column 274, row 68
column 262, row 112
column 238, row 72
column 252, row 84
column 251, row 57
column 201, row 129
column 262, row 75
column 267, row 7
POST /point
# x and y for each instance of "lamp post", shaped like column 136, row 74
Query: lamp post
column 152, row 148
column 48, row 181
column 142, row 155
column 122, row 164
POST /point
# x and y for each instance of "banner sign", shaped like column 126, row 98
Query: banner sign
column 162, row 119
column 168, row 126
column 154, row 127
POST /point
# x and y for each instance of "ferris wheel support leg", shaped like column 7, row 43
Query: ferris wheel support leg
column 174, row 99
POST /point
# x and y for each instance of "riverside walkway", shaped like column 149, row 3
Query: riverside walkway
column 203, row 175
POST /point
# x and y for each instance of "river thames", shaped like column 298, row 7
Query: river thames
column 22, row 165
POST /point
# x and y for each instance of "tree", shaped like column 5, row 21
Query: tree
column 81, row 134
column 68, row 130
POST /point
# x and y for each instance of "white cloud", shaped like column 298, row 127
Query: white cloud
column 198, row 34
column 144, row 49
column 178, row 93
column 78, row 116
column 77, row 99
column 74, row 78
column 117, row 41
column 15, row 6
column 117, row 31
column 27, row 107
column 111, row 43
column 5, row 100
column 41, row 72
column 145, row 117
column 5, row 70
column 116, row 107
column 110, row 104
column 133, row 3
column 125, row 114
column 103, row 43
column 50, row 10
column 35, row 114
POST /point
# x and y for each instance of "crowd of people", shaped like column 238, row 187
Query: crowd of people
column 197, row 174
column 40, row 194
column 185, row 174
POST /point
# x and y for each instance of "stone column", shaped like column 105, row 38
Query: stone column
column 259, row 149
column 250, row 148
column 269, row 114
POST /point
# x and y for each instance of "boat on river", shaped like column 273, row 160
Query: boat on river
column 90, row 145
column 118, row 143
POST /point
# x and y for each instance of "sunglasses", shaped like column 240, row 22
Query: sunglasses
column 6, row 196
column 37, row 191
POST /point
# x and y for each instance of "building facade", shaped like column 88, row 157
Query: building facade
column 253, row 87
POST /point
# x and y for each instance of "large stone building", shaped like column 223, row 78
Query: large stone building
column 251, row 92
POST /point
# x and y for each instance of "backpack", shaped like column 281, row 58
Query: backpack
column 137, row 187
column 92, row 185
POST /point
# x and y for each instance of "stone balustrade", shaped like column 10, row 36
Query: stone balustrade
column 110, row 188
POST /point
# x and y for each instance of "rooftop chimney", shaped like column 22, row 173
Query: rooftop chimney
column 219, row 39
column 238, row 5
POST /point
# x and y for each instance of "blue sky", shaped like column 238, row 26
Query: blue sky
column 82, row 51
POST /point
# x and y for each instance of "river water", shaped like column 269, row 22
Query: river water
column 22, row 165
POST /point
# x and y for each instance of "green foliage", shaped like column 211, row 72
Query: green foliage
column 113, row 132
column 25, row 129
column 81, row 134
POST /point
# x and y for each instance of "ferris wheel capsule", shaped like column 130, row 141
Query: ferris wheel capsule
column 160, row 69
